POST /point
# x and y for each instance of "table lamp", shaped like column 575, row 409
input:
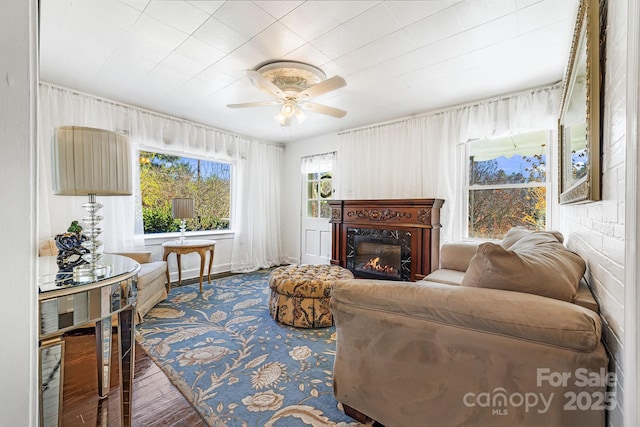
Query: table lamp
column 90, row 162
column 182, row 208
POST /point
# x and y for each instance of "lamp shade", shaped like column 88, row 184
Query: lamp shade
column 182, row 208
column 90, row 161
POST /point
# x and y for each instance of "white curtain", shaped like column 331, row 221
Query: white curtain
column 318, row 163
column 423, row 156
column 59, row 107
column 122, row 222
column 257, row 243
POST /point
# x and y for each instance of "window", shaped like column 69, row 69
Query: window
column 319, row 190
column 507, row 184
column 164, row 177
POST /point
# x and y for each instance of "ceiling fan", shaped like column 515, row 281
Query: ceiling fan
column 293, row 83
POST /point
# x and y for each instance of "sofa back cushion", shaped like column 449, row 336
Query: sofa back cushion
column 457, row 255
column 537, row 263
column 516, row 233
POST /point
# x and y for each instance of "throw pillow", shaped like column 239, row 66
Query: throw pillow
column 516, row 233
column 537, row 264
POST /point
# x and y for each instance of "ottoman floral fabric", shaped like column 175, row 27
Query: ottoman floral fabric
column 300, row 294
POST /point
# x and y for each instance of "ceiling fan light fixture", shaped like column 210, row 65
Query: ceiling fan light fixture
column 281, row 118
column 300, row 116
column 289, row 108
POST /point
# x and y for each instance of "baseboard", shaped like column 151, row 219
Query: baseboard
column 194, row 273
column 196, row 280
column 292, row 260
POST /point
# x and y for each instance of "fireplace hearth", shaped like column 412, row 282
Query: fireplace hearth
column 386, row 239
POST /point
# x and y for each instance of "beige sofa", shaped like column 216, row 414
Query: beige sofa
column 455, row 350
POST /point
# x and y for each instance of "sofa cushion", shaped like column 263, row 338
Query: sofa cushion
column 446, row 276
column 537, row 263
column 456, row 256
column 516, row 233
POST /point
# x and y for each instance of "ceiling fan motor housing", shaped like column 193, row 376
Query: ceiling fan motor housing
column 292, row 76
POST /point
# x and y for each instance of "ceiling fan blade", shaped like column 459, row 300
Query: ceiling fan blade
column 335, row 82
column 253, row 104
column 323, row 109
column 264, row 84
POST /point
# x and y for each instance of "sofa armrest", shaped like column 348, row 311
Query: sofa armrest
column 457, row 255
column 513, row 314
column 141, row 257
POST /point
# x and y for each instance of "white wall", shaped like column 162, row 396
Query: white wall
column 291, row 196
column 597, row 230
column 18, row 71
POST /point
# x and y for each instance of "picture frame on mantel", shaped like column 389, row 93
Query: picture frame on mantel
column 579, row 123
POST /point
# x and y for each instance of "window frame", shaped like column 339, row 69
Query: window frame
column 192, row 233
column 546, row 183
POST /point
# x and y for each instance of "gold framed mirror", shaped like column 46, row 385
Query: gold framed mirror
column 579, row 134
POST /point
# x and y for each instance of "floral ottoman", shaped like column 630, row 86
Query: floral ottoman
column 300, row 294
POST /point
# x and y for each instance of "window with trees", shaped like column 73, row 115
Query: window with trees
column 164, row 177
column 507, row 184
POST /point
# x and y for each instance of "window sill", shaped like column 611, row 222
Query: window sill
column 159, row 238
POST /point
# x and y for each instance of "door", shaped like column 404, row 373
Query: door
column 315, row 233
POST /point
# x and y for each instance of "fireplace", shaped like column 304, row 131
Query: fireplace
column 386, row 239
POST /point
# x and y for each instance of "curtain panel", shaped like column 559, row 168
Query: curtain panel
column 257, row 243
column 122, row 224
column 318, row 163
column 423, row 156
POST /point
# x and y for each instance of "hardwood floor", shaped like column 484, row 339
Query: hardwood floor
column 156, row 402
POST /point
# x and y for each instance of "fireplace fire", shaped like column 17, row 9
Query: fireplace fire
column 374, row 264
column 377, row 257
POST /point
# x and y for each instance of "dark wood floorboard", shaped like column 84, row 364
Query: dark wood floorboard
column 156, row 402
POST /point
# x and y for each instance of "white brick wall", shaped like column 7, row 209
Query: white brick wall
column 596, row 230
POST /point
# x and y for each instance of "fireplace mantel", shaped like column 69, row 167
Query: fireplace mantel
column 420, row 217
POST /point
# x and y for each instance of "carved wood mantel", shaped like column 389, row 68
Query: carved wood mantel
column 420, row 217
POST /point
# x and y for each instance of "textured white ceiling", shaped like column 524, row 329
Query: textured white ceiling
column 186, row 58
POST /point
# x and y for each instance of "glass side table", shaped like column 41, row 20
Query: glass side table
column 65, row 305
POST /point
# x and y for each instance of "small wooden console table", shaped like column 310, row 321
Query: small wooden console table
column 188, row 246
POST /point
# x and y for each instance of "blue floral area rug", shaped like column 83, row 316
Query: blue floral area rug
column 235, row 364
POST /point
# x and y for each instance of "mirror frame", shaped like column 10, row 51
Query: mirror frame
column 588, row 30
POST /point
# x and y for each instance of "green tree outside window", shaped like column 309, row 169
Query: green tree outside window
column 164, row 177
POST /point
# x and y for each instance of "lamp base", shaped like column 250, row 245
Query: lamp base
column 88, row 273
column 183, row 227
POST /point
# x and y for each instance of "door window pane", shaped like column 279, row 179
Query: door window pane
column 319, row 189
